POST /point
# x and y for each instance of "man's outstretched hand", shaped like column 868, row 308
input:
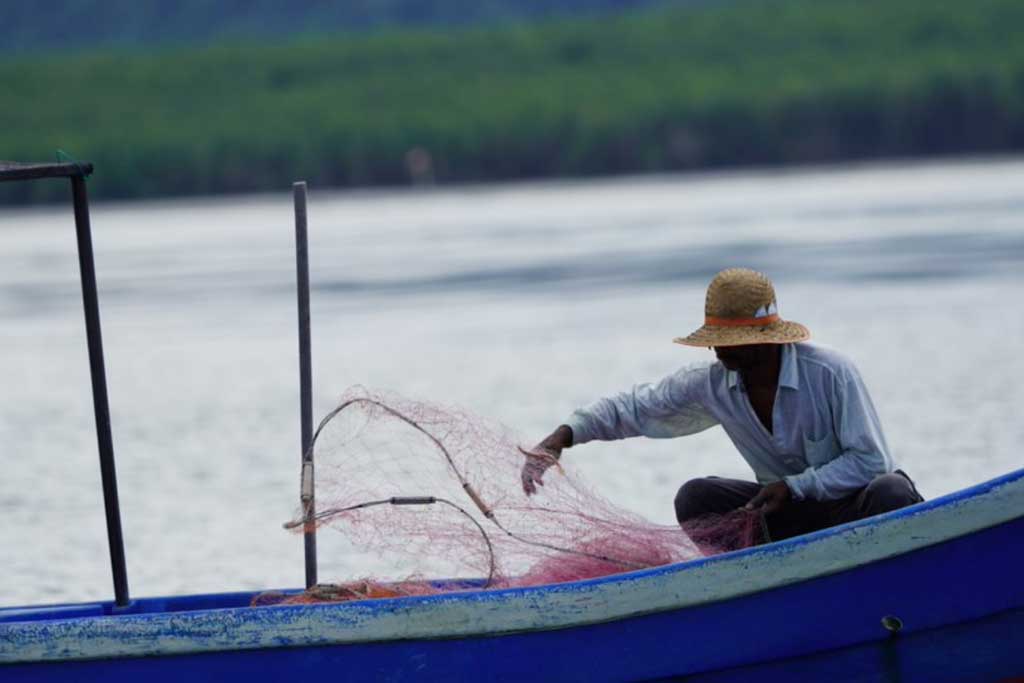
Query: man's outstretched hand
column 772, row 498
column 543, row 456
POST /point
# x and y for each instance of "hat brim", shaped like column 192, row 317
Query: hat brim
column 778, row 332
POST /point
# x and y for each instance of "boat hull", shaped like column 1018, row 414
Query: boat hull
column 577, row 632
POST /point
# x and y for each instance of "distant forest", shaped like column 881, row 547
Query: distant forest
column 664, row 87
column 77, row 24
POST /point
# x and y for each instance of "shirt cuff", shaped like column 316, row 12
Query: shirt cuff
column 577, row 423
column 800, row 484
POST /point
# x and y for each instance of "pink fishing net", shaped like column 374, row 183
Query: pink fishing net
column 418, row 482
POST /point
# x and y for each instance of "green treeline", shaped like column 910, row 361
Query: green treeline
column 749, row 82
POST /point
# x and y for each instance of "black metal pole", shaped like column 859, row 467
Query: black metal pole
column 101, row 406
column 305, row 380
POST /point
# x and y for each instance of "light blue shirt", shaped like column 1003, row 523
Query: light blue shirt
column 826, row 441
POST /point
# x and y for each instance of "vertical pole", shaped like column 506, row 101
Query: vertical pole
column 305, row 380
column 101, row 406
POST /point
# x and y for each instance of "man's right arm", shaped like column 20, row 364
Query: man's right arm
column 666, row 409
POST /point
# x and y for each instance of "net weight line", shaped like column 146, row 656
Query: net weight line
column 325, row 515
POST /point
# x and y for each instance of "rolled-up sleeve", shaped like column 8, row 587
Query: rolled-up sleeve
column 863, row 453
column 669, row 408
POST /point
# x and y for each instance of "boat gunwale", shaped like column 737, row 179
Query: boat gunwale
column 514, row 610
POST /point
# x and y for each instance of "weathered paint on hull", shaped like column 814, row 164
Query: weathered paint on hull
column 826, row 613
column 578, row 631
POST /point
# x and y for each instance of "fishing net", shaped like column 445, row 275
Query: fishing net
column 422, row 484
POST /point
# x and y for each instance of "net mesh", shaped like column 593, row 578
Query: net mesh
column 421, row 483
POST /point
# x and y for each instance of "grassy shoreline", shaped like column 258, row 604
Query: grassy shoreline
column 755, row 82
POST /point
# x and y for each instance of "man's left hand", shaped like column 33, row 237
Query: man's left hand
column 771, row 498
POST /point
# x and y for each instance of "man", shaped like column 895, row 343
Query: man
column 798, row 413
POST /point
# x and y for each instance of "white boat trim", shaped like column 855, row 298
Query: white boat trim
column 484, row 613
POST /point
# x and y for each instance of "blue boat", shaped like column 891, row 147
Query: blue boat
column 931, row 592
column 875, row 598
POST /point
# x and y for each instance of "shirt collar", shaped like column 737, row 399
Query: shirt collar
column 789, row 373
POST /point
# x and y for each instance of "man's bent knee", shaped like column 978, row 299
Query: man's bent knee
column 889, row 492
column 692, row 499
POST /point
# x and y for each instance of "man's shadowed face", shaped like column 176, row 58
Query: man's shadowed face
column 746, row 357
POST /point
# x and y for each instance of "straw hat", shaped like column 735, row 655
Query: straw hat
column 740, row 309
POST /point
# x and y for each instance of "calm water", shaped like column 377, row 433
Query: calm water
column 518, row 302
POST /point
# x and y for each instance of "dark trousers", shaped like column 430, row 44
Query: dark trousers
column 716, row 495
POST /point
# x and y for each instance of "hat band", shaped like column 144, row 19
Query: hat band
column 741, row 322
